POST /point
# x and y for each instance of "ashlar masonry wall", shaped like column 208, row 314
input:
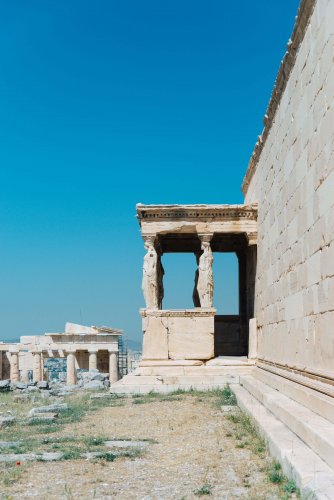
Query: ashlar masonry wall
column 293, row 183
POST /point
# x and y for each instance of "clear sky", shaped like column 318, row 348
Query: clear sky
column 110, row 103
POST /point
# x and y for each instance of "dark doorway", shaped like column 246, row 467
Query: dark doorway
column 231, row 330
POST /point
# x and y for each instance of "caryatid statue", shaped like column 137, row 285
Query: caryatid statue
column 205, row 276
column 150, row 275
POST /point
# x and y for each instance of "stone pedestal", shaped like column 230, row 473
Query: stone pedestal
column 14, row 367
column 37, row 367
column 92, row 360
column 113, row 367
column 178, row 334
column 71, row 372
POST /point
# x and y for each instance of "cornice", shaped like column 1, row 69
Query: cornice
column 204, row 213
column 178, row 313
column 302, row 20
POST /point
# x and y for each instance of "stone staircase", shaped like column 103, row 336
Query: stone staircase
column 184, row 375
column 297, row 423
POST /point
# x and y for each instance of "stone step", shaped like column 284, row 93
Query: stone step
column 163, row 388
column 200, row 379
column 312, row 475
column 203, row 371
column 140, row 380
column 316, row 431
column 314, row 400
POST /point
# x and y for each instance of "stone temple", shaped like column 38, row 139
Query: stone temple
column 278, row 352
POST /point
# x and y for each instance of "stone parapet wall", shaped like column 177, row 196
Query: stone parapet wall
column 293, row 182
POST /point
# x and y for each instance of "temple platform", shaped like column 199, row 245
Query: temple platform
column 172, row 375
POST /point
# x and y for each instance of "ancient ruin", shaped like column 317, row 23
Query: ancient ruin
column 278, row 352
column 90, row 348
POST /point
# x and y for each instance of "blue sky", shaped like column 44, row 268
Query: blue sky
column 106, row 104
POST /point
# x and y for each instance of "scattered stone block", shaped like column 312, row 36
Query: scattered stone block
column 32, row 388
column 6, row 421
column 54, row 408
column 9, row 444
column 94, row 384
column 20, row 385
column 43, row 384
column 4, row 385
column 228, row 408
column 121, row 443
column 45, row 417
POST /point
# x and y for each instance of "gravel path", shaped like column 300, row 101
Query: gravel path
column 194, row 447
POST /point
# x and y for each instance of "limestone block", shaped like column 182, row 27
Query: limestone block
column 191, row 337
column 155, row 345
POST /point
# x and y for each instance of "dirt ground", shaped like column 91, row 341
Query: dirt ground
column 195, row 450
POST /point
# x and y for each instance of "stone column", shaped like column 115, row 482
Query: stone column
column 92, row 360
column 150, row 284
column 14, row 367
column 71, row 371
column 37, row 367
column 205, row 276
column 113, row 367
column 1, row 354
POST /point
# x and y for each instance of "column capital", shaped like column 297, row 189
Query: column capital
column 205, row 237
column 13, row 351
column 93, row 350
column 113, row 351
column 149, row 239
column 70, row 351
column 251, row 238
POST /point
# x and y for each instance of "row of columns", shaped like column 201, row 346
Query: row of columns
column 152, row 283
column 71, row 371
column 14, row 373
column 71, row 376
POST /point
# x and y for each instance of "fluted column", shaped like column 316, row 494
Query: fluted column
column 37, row 367
column 205, row 275
column 71, row 371
column 113, row 367
column 14, row 367
column 92, row 360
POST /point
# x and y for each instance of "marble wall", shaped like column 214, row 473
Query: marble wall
column 293, row 183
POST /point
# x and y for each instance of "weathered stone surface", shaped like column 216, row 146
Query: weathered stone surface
column 155, row 344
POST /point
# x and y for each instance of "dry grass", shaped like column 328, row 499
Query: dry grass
column 194, row 450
